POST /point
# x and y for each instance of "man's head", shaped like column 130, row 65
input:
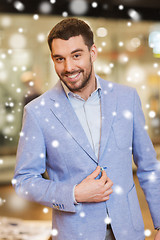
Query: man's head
column 71, row 27
column 73, row 53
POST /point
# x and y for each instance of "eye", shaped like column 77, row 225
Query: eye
column 77, row 56
column 59, row 60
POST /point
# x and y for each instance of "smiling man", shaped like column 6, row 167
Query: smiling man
column 73, row 64
column 80, row 133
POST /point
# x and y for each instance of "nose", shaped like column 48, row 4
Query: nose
column 69, row 65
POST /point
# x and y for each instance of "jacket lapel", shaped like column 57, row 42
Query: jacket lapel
column 108, row 112
column 63, row 111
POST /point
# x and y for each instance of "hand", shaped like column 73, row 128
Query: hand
column 157, row 237
column 94, row 190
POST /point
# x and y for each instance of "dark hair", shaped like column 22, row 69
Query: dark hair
column 71, row 27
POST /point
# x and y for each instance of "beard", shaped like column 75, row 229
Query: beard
column 82, row 83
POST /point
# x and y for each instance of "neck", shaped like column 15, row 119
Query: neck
column 86, row 91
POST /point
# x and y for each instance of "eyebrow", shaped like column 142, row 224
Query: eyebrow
column 74, row 51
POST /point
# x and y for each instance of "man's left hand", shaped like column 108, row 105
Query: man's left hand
column 157, row 237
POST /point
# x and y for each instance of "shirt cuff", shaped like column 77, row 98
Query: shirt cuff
column 75, row 202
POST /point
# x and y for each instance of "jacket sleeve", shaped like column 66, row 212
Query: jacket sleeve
column 31, row 164
column 148, row 167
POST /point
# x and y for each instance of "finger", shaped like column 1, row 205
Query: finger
column 104, row 177
column 95, row 173
column 108, row 184
column 107, row 194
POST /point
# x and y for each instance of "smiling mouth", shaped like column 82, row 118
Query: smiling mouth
column 72, row 76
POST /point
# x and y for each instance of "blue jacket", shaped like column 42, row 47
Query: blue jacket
column 53, row 139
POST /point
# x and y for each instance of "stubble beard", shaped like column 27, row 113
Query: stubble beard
column 84, row 83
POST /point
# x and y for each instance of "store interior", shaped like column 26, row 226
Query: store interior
column 128, row 53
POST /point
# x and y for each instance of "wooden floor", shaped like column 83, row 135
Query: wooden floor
column 13, row 206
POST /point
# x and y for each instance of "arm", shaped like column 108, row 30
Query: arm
column 148, row 168
column 31, row 164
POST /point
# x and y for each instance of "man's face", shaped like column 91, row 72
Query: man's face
column 73, row 62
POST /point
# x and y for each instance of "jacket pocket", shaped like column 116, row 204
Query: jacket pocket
column 135, row 210
column 122, row 130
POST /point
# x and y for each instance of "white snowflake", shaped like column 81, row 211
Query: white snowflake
column 21, row 134
column 14, row 181
column 82, row 214
column 120, row 7
column 18, row 90
column 11, row 104
column 110, row 85
column 143, row 87
column 35, row 16
column 146, row 127
column 152, row 114
column 45, row 210
column 152, row 177
column 147, row 232
column 114, row 113
column 107, row 220
column 10, row 51
column 31, row 83
column 15, row 69
column 41, row 155
column 118, row 189
column 19, row 5
column 55, row 143
column 56, row 104
column 111, row 65
column 2, row 201
column 121, row 44
column 147, row 106
column 52, row 1
column 129, row 24
column 42, row 103
column 94, row 4
column 10, row 118
column 127, row 114
column 1, row 161
column 54, row 232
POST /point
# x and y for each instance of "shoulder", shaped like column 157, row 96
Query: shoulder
column 44, row 99
column 120, row 89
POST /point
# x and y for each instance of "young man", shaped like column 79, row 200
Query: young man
column 84, row 131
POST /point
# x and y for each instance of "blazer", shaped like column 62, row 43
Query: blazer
column 52, row 138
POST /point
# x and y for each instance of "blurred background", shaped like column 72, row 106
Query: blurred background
column 127, row 35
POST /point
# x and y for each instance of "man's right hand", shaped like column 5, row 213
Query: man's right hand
column 94, row 190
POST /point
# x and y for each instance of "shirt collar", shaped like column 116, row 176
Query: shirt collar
column 67, row 91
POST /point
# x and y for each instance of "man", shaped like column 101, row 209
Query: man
column 84, row 132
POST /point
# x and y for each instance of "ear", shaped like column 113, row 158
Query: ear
column 93, row 52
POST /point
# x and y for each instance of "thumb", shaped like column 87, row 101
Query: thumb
column 95, row 173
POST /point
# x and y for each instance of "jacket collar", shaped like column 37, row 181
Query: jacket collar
column 64, row 112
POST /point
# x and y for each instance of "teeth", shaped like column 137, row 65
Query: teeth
column 73, row 76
